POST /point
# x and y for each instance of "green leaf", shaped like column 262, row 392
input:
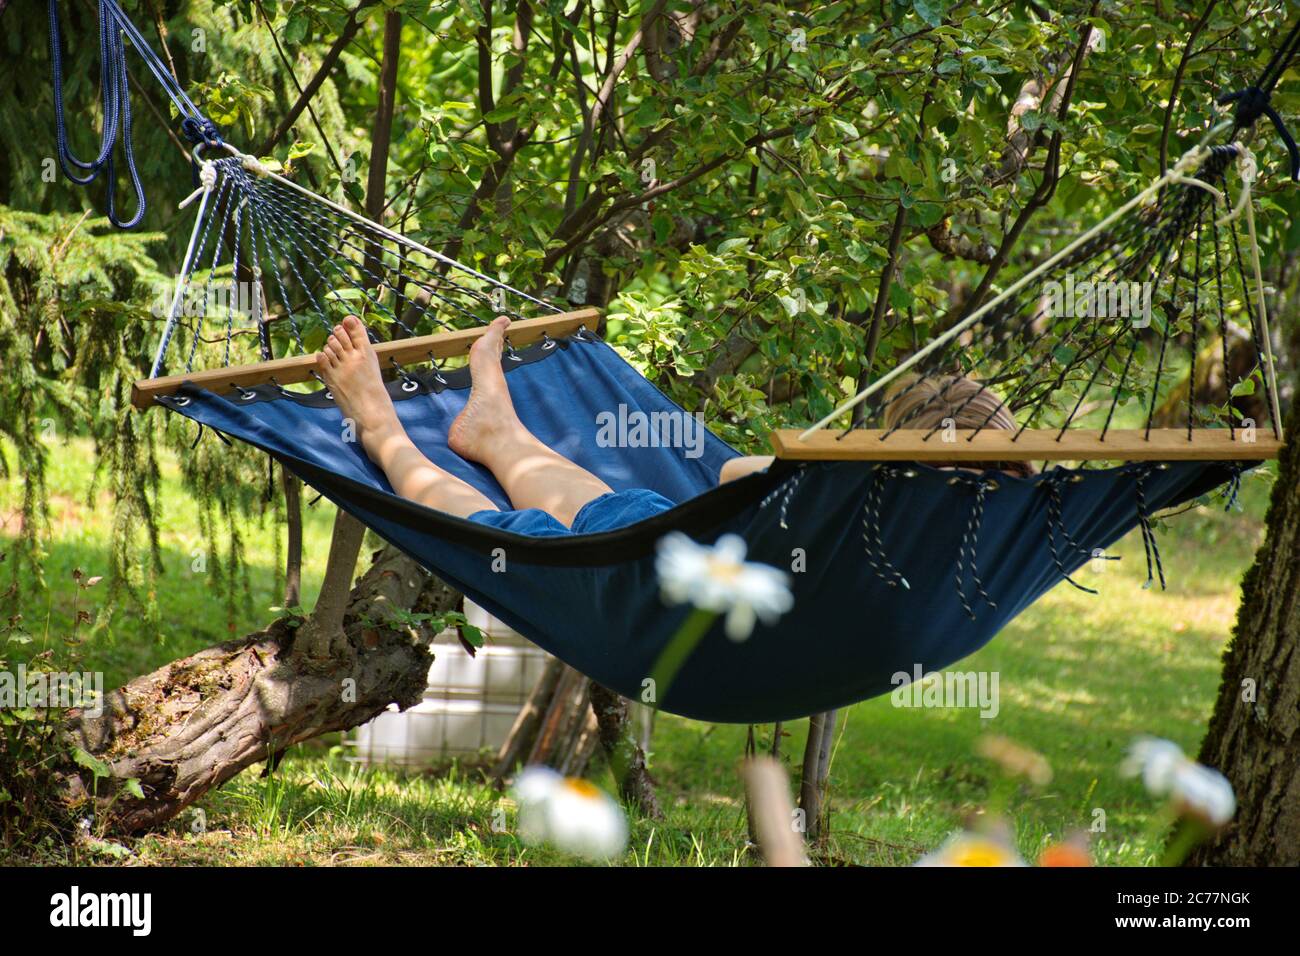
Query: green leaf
column 1245, row 387
column 92, row 763
column 928, row 213
column 931, row 11
column 663, row 226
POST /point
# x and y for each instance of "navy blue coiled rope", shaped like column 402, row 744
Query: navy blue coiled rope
column 115, row 28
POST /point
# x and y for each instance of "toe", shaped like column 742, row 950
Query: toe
column 341, row 341
column 355, row 332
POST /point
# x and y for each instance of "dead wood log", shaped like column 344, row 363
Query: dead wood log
column 197, row 722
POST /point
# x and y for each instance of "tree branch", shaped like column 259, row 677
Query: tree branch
column 346, row 35
column 1178, row 83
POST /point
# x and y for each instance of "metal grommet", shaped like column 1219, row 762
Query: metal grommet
column 437, row 377
column 182, row 401
column 511, row 353
column 247, row 394
column 410, row 385
column 909, row 473
column 329, row 394
column 548, row 343
column 954, row 480
column 991, row 485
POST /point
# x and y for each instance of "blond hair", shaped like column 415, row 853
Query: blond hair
column 927, row 403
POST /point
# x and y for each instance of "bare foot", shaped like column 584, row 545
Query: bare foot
column 488, row 418
column 350, row 367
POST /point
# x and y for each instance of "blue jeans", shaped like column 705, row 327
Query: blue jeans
column 615, row 509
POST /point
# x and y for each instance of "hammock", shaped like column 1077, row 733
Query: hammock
column 904, row 565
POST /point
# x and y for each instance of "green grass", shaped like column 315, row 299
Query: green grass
column 1080, row 676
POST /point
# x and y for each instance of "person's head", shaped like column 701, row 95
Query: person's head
column 927, row 403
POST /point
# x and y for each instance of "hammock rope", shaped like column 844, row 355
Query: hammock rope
column 321, row 259
column 1251, row 103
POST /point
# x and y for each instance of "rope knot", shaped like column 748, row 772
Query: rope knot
column 254, row 166
column 207, row 182
column 201, row 130
column 1252, row 102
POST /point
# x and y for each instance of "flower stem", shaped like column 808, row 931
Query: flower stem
column 675, row 654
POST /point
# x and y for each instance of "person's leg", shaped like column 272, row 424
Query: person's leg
column 350, row 368
column 740, row 467
column 489, row 432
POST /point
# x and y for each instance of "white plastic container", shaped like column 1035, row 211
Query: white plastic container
column 469, row 706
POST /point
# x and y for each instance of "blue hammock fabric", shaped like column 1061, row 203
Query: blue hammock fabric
column 974, row 549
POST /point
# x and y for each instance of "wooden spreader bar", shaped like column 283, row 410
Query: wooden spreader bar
column 1076, row 444
column 299, row 368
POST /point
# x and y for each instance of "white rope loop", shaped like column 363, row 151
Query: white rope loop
column 207, row 181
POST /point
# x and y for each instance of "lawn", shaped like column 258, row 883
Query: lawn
column 1080, row 677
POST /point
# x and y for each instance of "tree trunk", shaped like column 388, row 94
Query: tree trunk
column 519, row 741
column 626, row 757
column 816, row 771
column 195, row 723
column 1254, row 735
column 293, row 520
column 321, row 639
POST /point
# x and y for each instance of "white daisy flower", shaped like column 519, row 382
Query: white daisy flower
column 1195, row 790
column 1204, row 793
column 719, row 579
column 972, row 849
column 1155, row 760
column 569, row 813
